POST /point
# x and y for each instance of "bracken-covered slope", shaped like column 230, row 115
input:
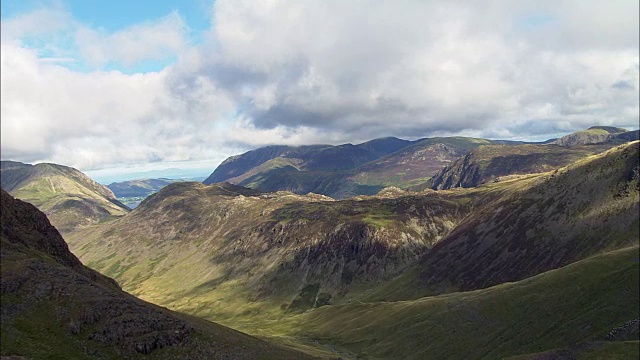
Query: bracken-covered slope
column 53, row 307
column 222, row 249
column 67, row 196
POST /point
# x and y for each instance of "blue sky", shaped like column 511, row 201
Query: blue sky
column 108, row 86
column 113, row 15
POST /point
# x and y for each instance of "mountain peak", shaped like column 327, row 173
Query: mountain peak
column 609, row 129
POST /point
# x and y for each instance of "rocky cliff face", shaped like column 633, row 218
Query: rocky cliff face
column 493, row 163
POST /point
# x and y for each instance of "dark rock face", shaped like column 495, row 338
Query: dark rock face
column 39, row 269
column 492, row 163
column 24, row 224
column 626, row 332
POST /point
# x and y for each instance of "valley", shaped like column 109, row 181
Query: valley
column 521, row 248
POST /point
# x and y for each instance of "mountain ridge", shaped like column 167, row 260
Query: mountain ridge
column 65, row 194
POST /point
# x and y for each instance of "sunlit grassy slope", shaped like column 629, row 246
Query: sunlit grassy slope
column 68, row 197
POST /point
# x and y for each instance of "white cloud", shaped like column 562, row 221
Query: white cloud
column 148, row 41
column 316, row 71
column 385, row 68
column 99, row 118
column 40, row 22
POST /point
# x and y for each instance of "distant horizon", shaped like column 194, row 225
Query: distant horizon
column 196, row 169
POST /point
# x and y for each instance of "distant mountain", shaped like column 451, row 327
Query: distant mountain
column 596, row 135
column 66, row 195
column 139, row 188
column 346, row 170
column 309, row 250
column 307, row 158
column 492, row 163
column 55, row 307
column 357, row 275
column 414, row 163
column 108, row 176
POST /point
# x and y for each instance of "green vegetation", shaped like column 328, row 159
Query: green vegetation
column 581, row 302
column 71, row 199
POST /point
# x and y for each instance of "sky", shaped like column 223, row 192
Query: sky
column 120, row 86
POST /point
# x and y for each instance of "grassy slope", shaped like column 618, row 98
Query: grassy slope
column 55, row 308
column 539, row 222
column 577, row 303
column 223, row 256
column 208, row 255
column 68, row 197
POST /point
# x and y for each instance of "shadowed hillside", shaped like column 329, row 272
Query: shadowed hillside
column 235, row 169
column 54, row 307
column 577, row 308
column 391, row 162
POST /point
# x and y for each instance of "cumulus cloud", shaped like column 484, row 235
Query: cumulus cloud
column 149, row 41
column 415, row 67
column 316, row 72
column 99, row 118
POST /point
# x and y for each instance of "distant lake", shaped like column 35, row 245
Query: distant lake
column 133, row 205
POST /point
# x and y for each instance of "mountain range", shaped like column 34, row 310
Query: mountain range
column 486, row 248
column 349, row 170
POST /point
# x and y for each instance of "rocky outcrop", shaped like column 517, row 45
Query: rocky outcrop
column 625, row 332
column 494, row 163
